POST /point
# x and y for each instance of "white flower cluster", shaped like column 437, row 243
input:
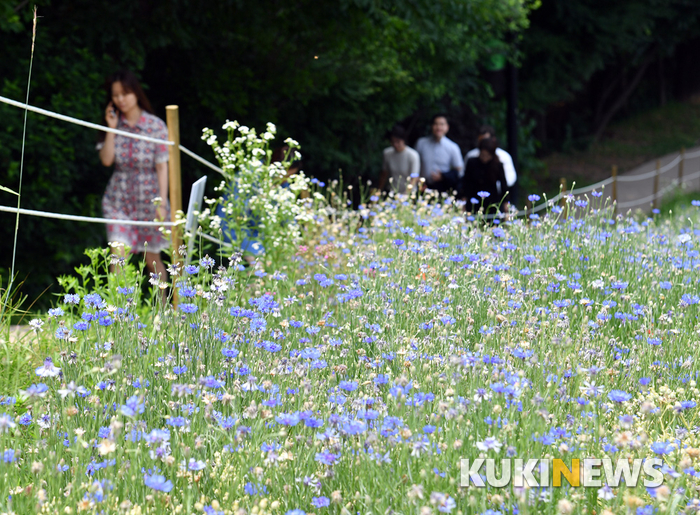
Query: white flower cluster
column 259, row 196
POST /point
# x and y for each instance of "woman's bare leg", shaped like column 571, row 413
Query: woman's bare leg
column 155, row 265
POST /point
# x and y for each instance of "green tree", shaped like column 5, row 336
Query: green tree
column 333, row 75
column 595, row 53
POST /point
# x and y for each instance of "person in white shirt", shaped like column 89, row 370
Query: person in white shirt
column 401, row 162
column 441, row 159
column 486, row 131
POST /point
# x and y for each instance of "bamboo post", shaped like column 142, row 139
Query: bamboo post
column 562, row 202
column 680, row 167
column 656, row 184
column 614, row 188
column 174, row 182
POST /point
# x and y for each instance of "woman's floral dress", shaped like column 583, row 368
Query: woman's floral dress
column 134, row 185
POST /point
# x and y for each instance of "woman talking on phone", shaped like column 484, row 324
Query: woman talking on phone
column 140, row 170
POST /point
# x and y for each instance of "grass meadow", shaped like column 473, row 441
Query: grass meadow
column 353, row 376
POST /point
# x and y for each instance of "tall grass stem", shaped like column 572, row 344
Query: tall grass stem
column 21, row 172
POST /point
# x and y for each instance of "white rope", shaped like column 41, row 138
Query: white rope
column 663, row 191
column 77, row 218
column 663, row 169
column 69, row 119
column 215, row 240
column 201, row 159
column 692, row 155
column 76, row 121
column 648, row 198
column 692, row 176
column 579, row 191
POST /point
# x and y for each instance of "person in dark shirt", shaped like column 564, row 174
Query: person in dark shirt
column 484, row 182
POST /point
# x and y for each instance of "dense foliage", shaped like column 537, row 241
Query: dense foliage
column 355, row 375
column 333, row 75
column 585, row 61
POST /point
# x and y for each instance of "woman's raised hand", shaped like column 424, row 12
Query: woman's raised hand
column 111, row 116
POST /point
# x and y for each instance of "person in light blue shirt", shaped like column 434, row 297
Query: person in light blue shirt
column 441, row 159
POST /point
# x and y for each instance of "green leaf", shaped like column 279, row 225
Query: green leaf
column 3, row 188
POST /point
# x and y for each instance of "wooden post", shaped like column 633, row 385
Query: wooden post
column 680, row 167
column 614, row 188
column 174, row 183
column 656, row 184
column 563, row 190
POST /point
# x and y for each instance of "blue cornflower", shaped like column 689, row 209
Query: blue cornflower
column 35, row 390
column 187, row 291
column 93, row 300
column 258, row 325
column 55, row 312
column 320, row 502
column 661, row 448
column 354, row 427
column 688, row 404
column 176, row 421
column 195, row 465
column 533, row 198
column 211, row 382
column 484, row 194
column 71, row 298
column 188, row 308
column 253, row 489
column 207, row 262
column 81, row 326
column 158, row 483
column 48, row 369
column 9, row 456
column 230, row 353
column 192, row 269
column 63, row 333
column 288, row 419
column 133, row 407
column 619, row 396
column 348, row 386
column 327, row 457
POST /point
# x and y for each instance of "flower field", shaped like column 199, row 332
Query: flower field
column 354, row 376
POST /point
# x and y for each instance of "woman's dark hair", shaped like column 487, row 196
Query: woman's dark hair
column 490, row 145
column 131, row 85
column 486, row 129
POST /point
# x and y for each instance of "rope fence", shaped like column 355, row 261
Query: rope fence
column 76, row 218
column 549, row 203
